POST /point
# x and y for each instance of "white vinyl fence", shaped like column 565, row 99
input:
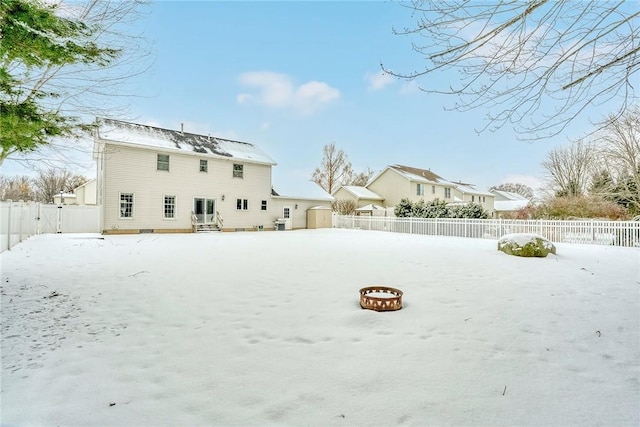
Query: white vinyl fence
column 19, row 220
column 618, row 233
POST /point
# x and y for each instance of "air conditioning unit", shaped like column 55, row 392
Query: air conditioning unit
column 280, row 224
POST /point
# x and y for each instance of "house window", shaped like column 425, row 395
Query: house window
column 433, row 189
column 126, row 205
column 204, row 166
column 264, row 205
column 169, row 207
column 473, row 198
column 163, row 162
column 447, row 193
column 238, row 171
column 242, row 204
column 420, row 189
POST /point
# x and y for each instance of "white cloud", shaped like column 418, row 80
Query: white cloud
column 279, row 91
column 379, row 80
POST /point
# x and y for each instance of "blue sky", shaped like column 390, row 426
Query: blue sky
column 292, row 77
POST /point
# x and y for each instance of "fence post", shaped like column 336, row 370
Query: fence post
column 9, row 224
column 21, row 220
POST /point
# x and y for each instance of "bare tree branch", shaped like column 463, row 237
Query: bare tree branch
column 534, row 65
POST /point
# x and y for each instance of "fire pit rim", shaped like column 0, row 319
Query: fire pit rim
column 394, row 302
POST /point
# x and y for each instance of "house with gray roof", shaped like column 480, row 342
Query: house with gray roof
column 397, row 182
column 152, row 179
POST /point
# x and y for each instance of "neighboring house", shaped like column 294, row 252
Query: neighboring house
column 397, row 182
column 361, row 196
column 86, row 193
column 65, row 199
column 464, row 193
column 158, row 180
column 507, row 202
column 82, row 195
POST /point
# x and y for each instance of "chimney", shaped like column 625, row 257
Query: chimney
column 182, row 128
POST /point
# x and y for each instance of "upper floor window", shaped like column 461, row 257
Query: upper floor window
column 238, row 171
column 473, row 198
column 204, row 165
column 433, row 189
column 264, row 205
column 420, row 189
column 163, row 162
column 447, row 193
column 169, row 207
column 126, row 205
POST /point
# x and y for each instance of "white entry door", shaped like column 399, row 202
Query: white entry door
column 288, row 220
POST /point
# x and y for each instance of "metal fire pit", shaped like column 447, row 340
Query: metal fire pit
column 381, row 298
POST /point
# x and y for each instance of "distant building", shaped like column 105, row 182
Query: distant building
column 507, row 202
column 397, row 182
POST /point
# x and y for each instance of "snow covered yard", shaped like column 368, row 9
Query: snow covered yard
column 265, row 329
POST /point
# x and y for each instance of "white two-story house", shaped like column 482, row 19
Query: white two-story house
column 159, row 180
column 397, row 182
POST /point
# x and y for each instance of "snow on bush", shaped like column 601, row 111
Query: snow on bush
column 526, row 245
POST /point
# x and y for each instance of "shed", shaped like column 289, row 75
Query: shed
column 319, row 217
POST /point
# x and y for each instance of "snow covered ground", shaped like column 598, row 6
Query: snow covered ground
column 265, row 328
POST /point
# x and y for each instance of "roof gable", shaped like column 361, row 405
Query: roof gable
column 149, row 136
column 417, row 172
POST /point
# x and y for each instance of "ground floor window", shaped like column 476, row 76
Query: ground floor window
column 169, row 207
column 126, row 205
column 242, row 204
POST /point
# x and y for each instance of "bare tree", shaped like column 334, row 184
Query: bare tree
column 515, row 187
column 535, row 65
column 344, row 206
column 570, row 169
column 361, row 179
column 619, row 147
column 335, row 169
column 16, row 188
column 51, row 182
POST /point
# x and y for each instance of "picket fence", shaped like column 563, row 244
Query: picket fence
column 617, row 233
column 20, row 220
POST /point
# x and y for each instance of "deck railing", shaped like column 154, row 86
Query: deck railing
column 617, row 233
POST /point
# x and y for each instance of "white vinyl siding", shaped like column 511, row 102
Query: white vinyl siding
column 132, row 170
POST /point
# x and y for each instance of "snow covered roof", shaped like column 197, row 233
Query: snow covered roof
column 308, row 190
column 509, row 205
column 361, row 192
column 507, row 195
column 136, row 134
column 469, row 189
